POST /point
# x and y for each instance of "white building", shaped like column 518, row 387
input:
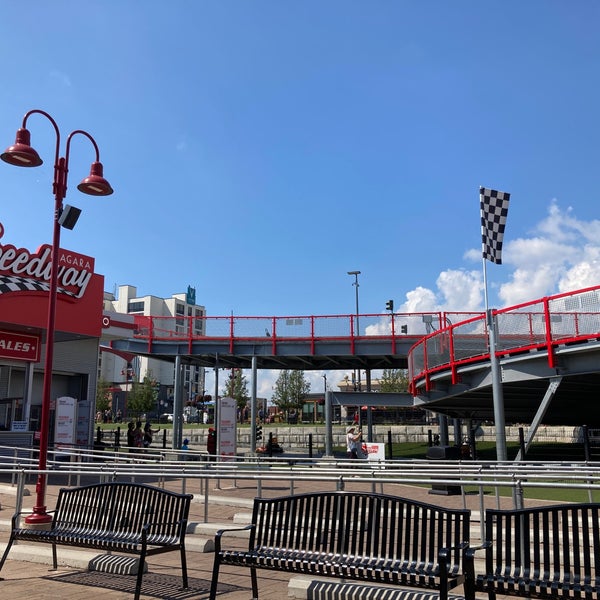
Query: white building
column 115, row 367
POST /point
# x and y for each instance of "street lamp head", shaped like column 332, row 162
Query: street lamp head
column 21, row 154
column 353, row 272
column 95, row 184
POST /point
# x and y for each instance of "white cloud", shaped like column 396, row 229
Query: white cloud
column 457, row 290
column 562, row 226
column 583, row 274
column 527, row 284
column 562, row 256
column 533, row 252
column 420, row 299
column 461, row 290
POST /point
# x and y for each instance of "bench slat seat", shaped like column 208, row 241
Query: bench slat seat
column 95, row 539
column 352, row 535
column 120, row 517
column 347, row 567
column 542, row 552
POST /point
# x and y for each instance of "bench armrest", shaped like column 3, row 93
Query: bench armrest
column 444, row 554
column 444, row 562
column 161, row 525
column 470, row 553
column 222, row 532
column 469, row 569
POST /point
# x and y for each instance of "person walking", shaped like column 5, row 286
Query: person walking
column 211, row 443
column 138, row 436
column 131, row 436
column 148, row 433
column 353, row 439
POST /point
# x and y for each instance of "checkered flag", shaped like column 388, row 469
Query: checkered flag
column 13, row 283
column 494, row 209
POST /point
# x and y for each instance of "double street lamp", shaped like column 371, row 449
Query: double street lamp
column 21, row 154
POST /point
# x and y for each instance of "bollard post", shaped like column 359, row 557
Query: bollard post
column 20, row 492
column 206, row 480
column 310, row 445
column 518, row 495
column 259, row 483
column 586, row 442
column 390, row 451
column 522, row 442
column 473, row 444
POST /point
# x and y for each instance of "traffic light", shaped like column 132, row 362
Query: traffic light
column 389, row 305
column 404, row 329
column 258, row 434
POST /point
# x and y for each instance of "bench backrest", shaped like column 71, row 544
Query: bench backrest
column 122, row 507
column 555, row 542
column 361, row 524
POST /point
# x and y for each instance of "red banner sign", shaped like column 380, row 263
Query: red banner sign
column 19, row 346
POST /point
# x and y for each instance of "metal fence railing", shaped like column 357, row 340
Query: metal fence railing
column 546, row 323
column 481, row 482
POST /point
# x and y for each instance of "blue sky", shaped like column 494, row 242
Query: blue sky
column 260, row 149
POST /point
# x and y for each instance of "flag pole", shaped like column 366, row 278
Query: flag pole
column 494, row 210
column 497, row 392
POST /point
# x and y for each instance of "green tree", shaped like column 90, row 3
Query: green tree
column 102, row 395
column 236, row 387
column 394, row 380
column 291, row 389
column 142, row 396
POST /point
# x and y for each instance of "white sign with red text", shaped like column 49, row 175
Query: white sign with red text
column 64, row 429
column 374, row 452
column 227, row 427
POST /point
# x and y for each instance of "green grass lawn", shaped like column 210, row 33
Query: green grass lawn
column 542, row 452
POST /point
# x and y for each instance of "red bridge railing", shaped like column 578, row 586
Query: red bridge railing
column 313, row 329
column 547, row 323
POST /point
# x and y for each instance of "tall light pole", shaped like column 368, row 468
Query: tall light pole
column 21, row 154
column 324, row 376
column 357, row 328
column 355, row 284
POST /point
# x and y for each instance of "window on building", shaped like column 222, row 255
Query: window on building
column 135, row 306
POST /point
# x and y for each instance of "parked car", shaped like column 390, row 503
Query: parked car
column 168, row 418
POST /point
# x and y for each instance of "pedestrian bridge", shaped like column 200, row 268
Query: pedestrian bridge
column 548, row 350
column 330, row 342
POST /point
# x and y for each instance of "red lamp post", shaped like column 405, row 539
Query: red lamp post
column 21, row 154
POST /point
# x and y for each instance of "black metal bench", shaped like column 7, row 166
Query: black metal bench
column 120, row 517
column 356, row 536
column 543, row 552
